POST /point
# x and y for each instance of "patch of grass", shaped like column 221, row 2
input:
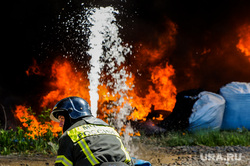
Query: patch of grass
column 19, row 142
column 206, row 138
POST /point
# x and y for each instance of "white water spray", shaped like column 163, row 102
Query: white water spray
column 107, row 63
column 108, row 52
column 95, row 31
column 104, row 34
column 98, row 18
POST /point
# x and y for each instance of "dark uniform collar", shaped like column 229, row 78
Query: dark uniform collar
column 86, row 120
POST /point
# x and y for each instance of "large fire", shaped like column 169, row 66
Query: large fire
column 65, row 81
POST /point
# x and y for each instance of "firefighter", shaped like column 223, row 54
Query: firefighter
column 86, row 140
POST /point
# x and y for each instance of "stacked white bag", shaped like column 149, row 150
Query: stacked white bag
column 237, row 112
column 207, row 112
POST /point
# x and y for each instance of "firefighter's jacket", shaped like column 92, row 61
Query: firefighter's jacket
column 91, row 141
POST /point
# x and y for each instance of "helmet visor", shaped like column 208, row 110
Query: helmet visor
column 55, row 113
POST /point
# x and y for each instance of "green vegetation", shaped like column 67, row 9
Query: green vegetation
column 206, row 138
column 22, row 141
column 19, row 142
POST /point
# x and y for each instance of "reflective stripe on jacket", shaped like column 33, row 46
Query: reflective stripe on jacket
column 90, row 144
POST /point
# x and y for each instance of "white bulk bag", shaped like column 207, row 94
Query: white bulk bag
column 237, row 112
column 207, row 112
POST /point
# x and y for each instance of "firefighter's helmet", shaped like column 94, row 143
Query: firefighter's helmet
column 76, row 107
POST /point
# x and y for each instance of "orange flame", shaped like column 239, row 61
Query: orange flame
column 162, row 95
column 35, row 127
column 162, row 92
column 244, row 40
column 65, row 82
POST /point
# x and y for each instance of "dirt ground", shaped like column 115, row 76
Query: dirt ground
column 26, row 160
column 194, row 155
column 158, row 156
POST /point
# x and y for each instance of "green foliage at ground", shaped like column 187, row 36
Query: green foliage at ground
column 19, row 141
column 206, row 138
